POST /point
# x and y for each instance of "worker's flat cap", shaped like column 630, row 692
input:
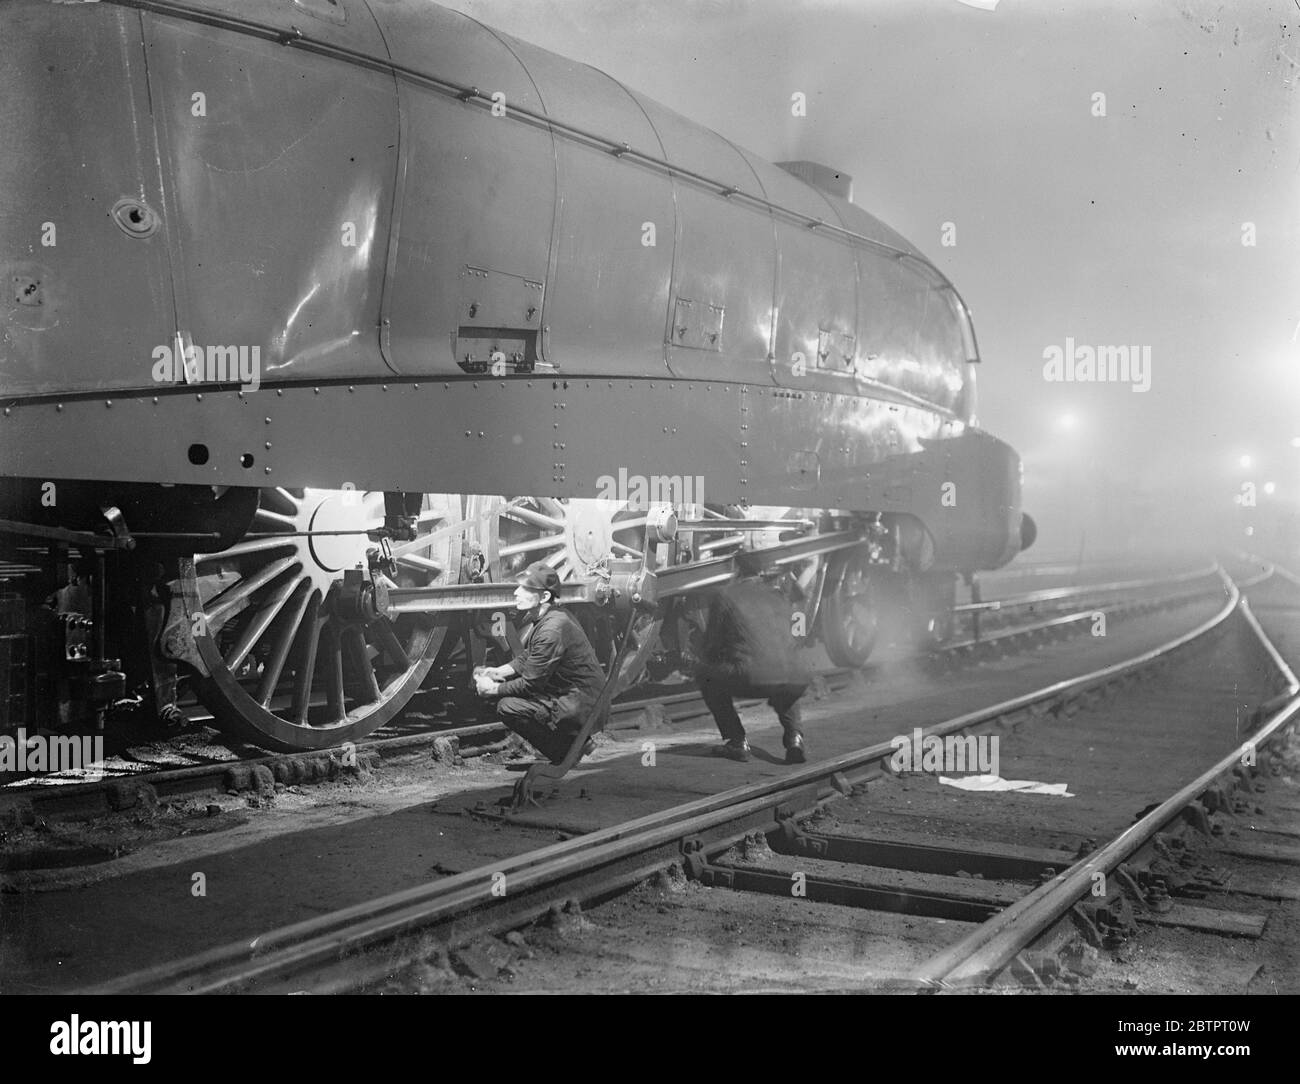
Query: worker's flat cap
column 540, row 577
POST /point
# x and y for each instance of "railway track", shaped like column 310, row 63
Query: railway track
column 981, row 914
column 993, row 627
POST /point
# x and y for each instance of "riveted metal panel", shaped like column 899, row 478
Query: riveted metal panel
column 667, row 430
column 279, row 168
column 499, row 322
column 697, row 325
column 613, row 245
column 725, row 255
column 477, row 184
column 816, row 288
column 82, row 300
column 546, row 437
column 542, row 436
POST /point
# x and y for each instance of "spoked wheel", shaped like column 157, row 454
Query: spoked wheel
column 573, row 536
column 290, row 667
column 851, row 611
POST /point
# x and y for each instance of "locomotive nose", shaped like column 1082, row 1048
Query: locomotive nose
column 1028, row 531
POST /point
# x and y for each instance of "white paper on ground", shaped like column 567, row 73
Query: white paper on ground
column 996, row 782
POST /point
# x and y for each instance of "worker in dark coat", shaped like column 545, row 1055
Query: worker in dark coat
column 545, row 693
column 749, row 651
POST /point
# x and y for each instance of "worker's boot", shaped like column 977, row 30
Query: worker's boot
column 736, row 749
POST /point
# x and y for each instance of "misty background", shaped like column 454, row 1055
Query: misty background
column 1122, row 229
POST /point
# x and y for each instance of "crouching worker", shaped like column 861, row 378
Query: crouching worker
column 544, row 693
column 749, row 651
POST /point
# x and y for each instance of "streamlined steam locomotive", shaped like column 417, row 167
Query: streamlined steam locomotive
column 323, row 317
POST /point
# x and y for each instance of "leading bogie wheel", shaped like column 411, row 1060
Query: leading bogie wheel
column 850, row 618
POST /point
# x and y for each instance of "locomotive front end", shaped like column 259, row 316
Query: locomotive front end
column 321, row 319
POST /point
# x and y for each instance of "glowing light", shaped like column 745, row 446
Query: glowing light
column 1295, row 442
column 1269, row 487
column 1244, row 462
column 1067, row 422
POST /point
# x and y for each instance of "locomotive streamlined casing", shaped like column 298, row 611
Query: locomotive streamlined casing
column 249, row 161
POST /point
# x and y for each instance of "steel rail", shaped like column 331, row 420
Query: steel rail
column 1051, row 624
column 1052, row 594
column 1288, row 675
column 326, row 938
column 61, row 797
column 1268, row 570
column 1287, row 575
column 977, row 957
column 37, row 798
